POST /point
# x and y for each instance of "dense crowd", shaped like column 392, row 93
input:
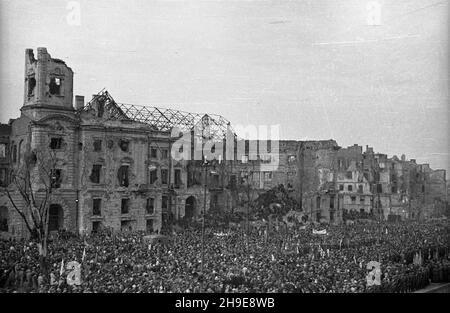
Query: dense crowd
column 277, row 259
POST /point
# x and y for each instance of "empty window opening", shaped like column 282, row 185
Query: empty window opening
column 55, row 143
column 164, row 176
column 95, row 174
column 56, row 217
column 164, row 202
column 153, row 176
column 153, row 153
column 31, row 85
column 55, row 86
column 150, row 207
column 349, row 187
column 122, row 175
column 96, row 207
column 125, row 209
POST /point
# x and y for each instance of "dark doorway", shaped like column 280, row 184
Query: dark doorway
column 56, row 217
column 189, row 209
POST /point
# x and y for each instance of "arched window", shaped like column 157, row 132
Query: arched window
column 122, row 175
column 4, row 219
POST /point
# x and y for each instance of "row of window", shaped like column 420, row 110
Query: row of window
column 125, row 205
column 350, row 188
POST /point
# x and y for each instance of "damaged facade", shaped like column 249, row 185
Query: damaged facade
column 114, row 167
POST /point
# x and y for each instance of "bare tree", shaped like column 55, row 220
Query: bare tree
column 29, row 191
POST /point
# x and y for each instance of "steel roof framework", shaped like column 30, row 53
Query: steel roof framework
column 211, row 126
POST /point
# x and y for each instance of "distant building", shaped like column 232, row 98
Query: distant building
column 113, row 165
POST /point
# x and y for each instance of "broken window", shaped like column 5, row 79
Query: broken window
column 96, row 207
column 164, row 176
column 150, row 207
column 55, row 143
column 124, row 145
column 350, row 188
column 177, row 178
column 394, row 189
column 97, row 145
column 31, row 85
column 122, row 175
column 55, row 178
column 153, row 176
column 55, row 86
column 124, row 209
column 153, row 153
column 95, row 174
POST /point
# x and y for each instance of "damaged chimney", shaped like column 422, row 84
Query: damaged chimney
column 79, row 102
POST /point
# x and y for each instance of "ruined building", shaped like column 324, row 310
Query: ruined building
column 111, row 165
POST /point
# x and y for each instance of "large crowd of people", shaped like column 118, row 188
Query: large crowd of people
column 259, row 259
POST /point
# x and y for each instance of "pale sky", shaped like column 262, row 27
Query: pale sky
column 315, row 67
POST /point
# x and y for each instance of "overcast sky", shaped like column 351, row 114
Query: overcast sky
column 313, row 66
